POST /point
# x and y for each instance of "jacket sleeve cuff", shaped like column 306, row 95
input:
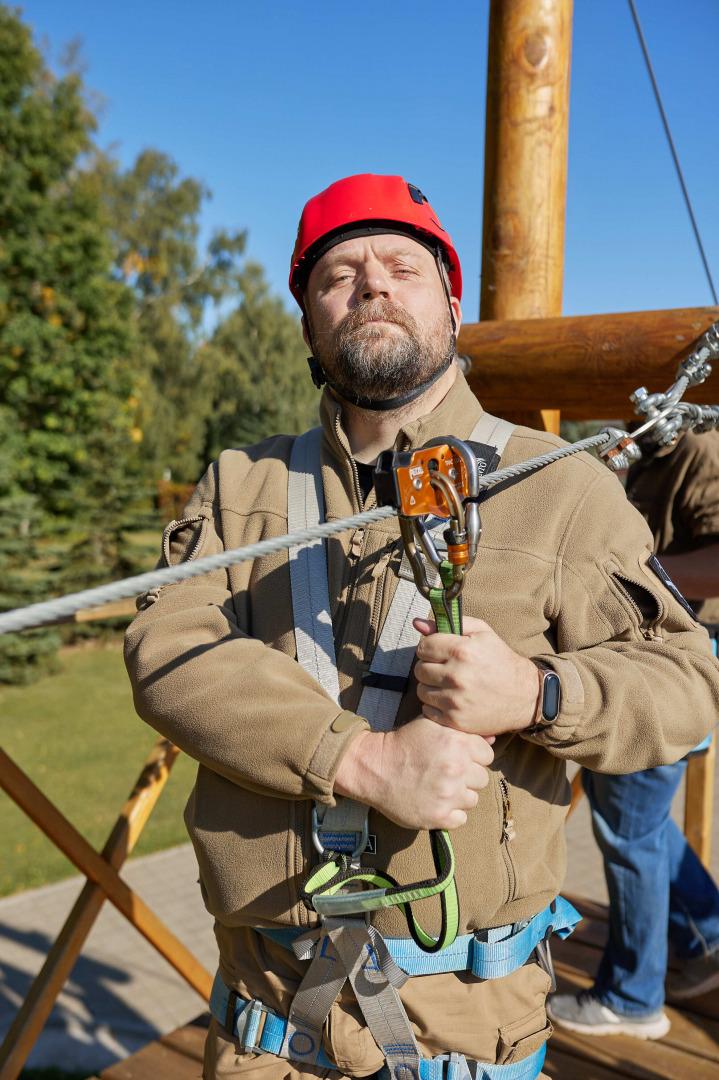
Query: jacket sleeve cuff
column 329, row 752
column 571, row 706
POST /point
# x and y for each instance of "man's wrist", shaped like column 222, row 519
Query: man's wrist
column 549, row 696
column 353, row 776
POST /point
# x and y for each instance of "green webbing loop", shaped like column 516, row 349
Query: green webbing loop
column 436, row 599
column 320, row 892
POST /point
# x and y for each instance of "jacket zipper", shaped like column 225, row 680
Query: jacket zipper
column 355, row 545
column 378, row 575
column 353, row 466
column 174, row 525
column 508, row 834
column 354, row 554
column 648, row 632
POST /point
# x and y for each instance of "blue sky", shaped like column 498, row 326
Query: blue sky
column 268, row 103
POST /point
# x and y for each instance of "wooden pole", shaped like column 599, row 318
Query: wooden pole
column 525, row 171
column 60, row 961
column 585, row 365
column 699, row 803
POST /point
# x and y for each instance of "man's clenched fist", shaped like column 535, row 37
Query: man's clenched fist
column 421, row 775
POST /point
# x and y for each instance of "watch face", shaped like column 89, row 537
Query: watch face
column 550, row 696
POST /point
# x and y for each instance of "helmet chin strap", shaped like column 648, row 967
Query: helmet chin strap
column 319, row 375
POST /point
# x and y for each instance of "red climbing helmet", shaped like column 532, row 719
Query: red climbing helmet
column 366, row 205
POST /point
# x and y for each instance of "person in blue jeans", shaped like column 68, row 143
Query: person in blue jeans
column 659, row 892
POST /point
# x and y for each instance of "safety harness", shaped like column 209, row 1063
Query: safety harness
column 346, row 945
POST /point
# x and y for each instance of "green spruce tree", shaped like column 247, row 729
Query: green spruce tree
column 66, row 333
column 255, row 371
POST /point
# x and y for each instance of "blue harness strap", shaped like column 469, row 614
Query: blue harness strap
column 268, row 1039
column 505, row 949
column 247, row 1025
column 456, row 1067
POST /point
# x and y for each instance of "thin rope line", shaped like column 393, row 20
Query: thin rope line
column 63, row 607
column 672, row 148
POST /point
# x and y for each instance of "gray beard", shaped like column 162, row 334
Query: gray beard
column 365, row 361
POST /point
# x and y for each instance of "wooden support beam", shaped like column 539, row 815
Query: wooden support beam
column 585, row 365
column 577, row 792
column 106, row 611
column 699, row 803
column 60, row 961
column 65, row 836
column 525, row 172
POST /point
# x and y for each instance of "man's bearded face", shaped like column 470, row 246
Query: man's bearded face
column 378, row 351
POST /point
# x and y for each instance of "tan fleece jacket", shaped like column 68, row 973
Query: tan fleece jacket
column 561, row 575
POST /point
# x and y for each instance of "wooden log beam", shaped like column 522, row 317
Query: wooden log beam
column 60, row 961
column 585, row 365
column 525, row 171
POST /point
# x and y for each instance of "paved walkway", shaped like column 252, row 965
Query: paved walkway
column 122, row 994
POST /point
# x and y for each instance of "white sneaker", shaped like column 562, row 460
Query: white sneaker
column 583, row 1013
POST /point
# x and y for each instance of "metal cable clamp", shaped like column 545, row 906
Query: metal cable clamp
column 666, row 414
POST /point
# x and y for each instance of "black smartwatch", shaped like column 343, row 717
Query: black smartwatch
column 550, row 697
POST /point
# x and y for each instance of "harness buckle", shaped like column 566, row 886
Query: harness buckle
column 327, row 853
column 251, row 1017
column 458, row 1068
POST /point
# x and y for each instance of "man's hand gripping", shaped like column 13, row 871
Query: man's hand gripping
column 428, row 773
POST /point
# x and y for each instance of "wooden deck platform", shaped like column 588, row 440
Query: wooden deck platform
column 689, row 1052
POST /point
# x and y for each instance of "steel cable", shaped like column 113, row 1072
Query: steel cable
column 64, row 607
column 675, row 156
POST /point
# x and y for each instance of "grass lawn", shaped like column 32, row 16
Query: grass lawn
column 77, row 736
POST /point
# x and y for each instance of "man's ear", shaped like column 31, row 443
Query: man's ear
column 457, row 311
column 305, row 334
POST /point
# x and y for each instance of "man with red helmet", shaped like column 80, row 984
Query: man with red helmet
column 279, row 677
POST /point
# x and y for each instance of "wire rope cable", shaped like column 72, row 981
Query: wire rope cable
column 64, row 607
column 687, row 200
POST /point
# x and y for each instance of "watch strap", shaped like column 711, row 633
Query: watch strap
column 540, row 722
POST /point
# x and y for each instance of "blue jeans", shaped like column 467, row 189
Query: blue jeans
column 658, row 888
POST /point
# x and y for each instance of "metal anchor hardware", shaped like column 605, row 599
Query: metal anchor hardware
column 666, row 414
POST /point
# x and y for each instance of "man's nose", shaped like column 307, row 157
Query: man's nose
column 375, row 283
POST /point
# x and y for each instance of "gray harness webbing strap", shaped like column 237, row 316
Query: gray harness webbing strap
column 308, row 565
column 492, row 430
column 350, row 949
column 378, row 705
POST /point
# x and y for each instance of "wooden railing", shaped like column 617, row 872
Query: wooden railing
column 103, row 883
